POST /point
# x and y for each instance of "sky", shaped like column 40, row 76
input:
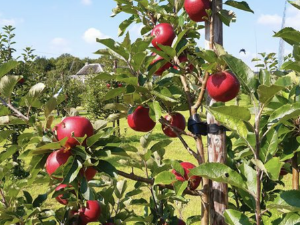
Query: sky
column 54, row 27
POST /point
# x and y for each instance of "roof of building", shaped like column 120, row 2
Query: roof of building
column 90, row 69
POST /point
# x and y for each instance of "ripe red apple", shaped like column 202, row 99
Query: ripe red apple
column 56, row 159
column 78, row 125
column 196, row 9
column 108, row 86
column 176, row 120
column 60, row 198
column 179, row 222
column 89, row 172
column 194, row 181
column 91, row 212
column 140, row 120
column 160, row 71
column 163, row 34
column 21, row 81
column 223, row 86
column 120, row 84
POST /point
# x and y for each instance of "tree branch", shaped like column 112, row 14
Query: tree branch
column 17, row 112
column 150, row 181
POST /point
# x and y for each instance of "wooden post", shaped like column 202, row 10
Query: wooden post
column 216, row 142
column 295, row 171
column 118, row 133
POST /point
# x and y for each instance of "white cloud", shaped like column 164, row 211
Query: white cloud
column 293, row 18
column 91, row 34
column 60, row 45
column 270, row 20
column 11, row 21
column 86, row 2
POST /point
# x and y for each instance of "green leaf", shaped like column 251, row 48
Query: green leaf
column 295, row 4
column 8, row 153
column 291, row 218
column 269, row 145
column 162, row 97
column 165, row 177
column 106, row 167
column 296, row 51
column 178, row 168
column 34, row 93
column 273, row 167
column 39, row 200
column 246, row 76
column 112, row 45
column 286, row 201
column 232, row 117
column 220, row 173
column 114, row 93
column 155, row 111
column 72, row 172
column 138, row 60
column 234, row 217
column 116, row 106
column 49, row 106
column 285, row 113
column 250, row 174
column 179, row 187
column 123, row 26
column 289, row 34
column 290, row 65
column 120, row 188
column 6, row 67
column 227, row 16
column 10, row 120
column 7, row 84
column 85, row 190
column 239, row 5
column 266, row 93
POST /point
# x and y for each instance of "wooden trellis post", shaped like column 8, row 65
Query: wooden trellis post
column 216, row 145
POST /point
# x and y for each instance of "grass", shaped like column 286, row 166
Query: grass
column 174, row 151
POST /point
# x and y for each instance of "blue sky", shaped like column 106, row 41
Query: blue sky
column 53, row 27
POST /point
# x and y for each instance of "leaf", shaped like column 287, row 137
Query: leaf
column 165, row 177
column 115, row 47
column 289, row 34
column 290, row 65
column 49, row 106
column 287, row 201
column 86, row 191
column 163, row 97
column 227, row 16
column 123, row 26
column 6, row 67
column 291, row 218
column 8, row 153
column 120, row 188
column 106, row 167
column 99, row 124
column 220, row 173
column 285, row 113
column 250, row 174
column 138, row 60
column 273, row 167
column 7, row 84
column 269, row 145
column 114, row 93
column 72, row 174
column 179, row 187
column 234, row 217
column 266, row 93
column 116, row 106
column 232, row 117
column 239, row 5
column 10, row 120
column 39, row 200
column 155, row 111
column 34, row 93
column 295, row 3
column 296, row 51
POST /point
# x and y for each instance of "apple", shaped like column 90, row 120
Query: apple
column 108, row 86
column 89, row 172
column 120, row 84
column 21, row 81
column 176, row 120
column 179, row 222
column 78, row 125
column 196, row 9
column 140, row 120
column 194, row 181
column 91, row 212
column 56, row 159
column 160, row 71
column 223, row 86
column 60, row 198
column 183, row 58
column 163, row 34
column 109, row 223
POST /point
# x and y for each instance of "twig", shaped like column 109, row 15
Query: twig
column 17, row 112
column 132, row 176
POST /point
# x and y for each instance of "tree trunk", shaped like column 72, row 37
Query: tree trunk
column 295, row 172
column 216, row 142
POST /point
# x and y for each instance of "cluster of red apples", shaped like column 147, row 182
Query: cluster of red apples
column 69, row 128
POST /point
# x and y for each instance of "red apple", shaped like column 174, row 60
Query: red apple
column 120, row 84
column 223, row 86
column 60, row 198
column 78, row 125
column 183, row 58
column 176, row 120
column 91, row 212
column 108, row 86
column 56, row 159
column 109, row 223
column 21, row 81
column 140, row 120
column 194, row 181
column 163, row 34
column 179, row 222
column 196, row 9
column 89, row 173
column 160, row 71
